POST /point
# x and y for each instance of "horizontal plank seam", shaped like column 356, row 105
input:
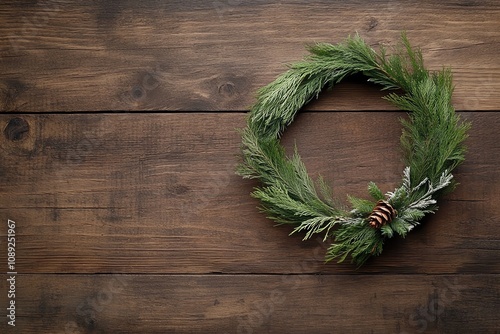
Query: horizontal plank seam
column 257, row 274
column 187, row 112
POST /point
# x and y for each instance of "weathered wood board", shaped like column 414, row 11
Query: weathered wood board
column 118, row 148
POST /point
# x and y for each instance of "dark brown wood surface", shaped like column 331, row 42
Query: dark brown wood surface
column 118, row 148
column 212, row 55
column 258, row 303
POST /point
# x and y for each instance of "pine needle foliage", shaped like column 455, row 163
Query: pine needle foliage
column 432, row 140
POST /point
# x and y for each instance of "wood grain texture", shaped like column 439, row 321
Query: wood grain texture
column 157, row 193
column 77, row 304
column 59, row 56
column 136, row 223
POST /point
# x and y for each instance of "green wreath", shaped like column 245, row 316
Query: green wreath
column 432, row 141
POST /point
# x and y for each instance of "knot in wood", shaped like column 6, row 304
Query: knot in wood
column 17, row 129
column 227, row 89
column 383, row 213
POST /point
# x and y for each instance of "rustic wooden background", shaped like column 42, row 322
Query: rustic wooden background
column 118, row 147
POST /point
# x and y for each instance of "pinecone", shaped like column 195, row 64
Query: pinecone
column 382, row 213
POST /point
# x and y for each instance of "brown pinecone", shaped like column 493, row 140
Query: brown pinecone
column 382, row 213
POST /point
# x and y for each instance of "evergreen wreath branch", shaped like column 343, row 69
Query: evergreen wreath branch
column 432, row 140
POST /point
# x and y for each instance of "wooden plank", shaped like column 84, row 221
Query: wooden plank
column 157, row 193
column 72, row 304
column 213, row 55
